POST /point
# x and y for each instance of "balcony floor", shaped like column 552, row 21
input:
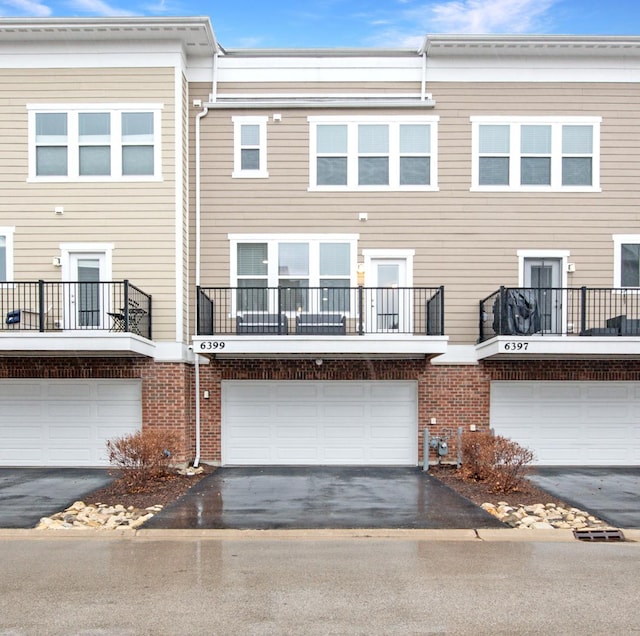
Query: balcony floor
column 379, row 345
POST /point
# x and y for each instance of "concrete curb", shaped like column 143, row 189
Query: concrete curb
column 482, row 534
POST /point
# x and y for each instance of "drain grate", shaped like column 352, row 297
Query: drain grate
column 595, row 534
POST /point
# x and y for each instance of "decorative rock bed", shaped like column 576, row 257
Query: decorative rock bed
column 98, row 516
column 543, row 516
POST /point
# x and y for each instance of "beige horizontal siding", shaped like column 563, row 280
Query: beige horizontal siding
column 467, row 241
column 138, row 218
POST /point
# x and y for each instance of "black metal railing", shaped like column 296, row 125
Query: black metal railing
column 57, row 306
column 577, row 311
column 320, row 310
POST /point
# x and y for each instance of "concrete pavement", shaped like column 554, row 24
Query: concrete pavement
column 304, row 586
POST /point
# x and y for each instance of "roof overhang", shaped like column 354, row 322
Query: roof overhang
column 195, row 34
column 529, row 45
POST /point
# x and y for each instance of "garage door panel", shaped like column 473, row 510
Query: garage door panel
column 596, row 423
column 14, row 433
column 292, row 409
column 347, row 422
column 343, row 391
column 62, row 422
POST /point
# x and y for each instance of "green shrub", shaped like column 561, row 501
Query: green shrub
column 142, row 457
column 499, row 462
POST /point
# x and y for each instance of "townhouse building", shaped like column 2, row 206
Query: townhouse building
column 317, row 256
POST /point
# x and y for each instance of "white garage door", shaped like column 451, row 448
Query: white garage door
column 319, row 423
column 65, row 422
column 571, row 423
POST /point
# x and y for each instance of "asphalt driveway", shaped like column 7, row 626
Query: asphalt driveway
column 321, row 497
column 27, row 494
column 610, row 493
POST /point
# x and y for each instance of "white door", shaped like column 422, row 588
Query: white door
column 65, row 422
column 319, row 423
column 544, row 277
column 390, row 301
column 86, row 300
column 571, row 423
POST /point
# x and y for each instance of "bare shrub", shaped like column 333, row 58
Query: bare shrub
column 496, row 460
column 142, row 457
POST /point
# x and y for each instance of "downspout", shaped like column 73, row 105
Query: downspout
column 423, row 87
column 199, row 117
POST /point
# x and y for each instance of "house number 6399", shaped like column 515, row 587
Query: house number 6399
column 210, row 345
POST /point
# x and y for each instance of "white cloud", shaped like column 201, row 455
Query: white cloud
column 483, row 16
column 99, row 8
column 28, row 8
column 465, row 16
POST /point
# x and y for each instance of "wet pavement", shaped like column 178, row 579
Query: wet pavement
column 321, row 497
column 27, row 494
column 610, row 493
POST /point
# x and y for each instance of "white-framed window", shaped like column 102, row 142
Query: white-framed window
column 534, row 154
column 626, row 260
column 312, row 272
column 373, row 153
column 250, row 147
column 94, row 142
column 6, row 254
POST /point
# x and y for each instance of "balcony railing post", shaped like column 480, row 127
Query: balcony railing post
column 583, row 309
column 501, row 309
column 126, row 306
column 198, row 309
column 41, row 313
column 441, row 332
column 279, row 311
column 360, row 310
column 149, row 333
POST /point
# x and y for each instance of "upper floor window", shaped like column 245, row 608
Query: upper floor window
column 94, row 142
column 6, row 254
column 250, row 147
column 369, row 153
column 626, row 266
column 532, row 154
column 314, row 273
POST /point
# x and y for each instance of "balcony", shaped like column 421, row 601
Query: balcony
column 80, row 317
column 562, row 322
column 332, row 321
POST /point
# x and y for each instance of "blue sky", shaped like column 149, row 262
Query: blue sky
column 357, row 23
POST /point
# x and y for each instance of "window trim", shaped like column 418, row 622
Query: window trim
column 116, row 144
column 562, row 255
column 618, row 241
column 238, row 172
column 515, row 154
column 7, row 232
column 353, row 154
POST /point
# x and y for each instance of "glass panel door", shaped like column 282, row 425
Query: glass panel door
column 87, row 299
column 543, row 277
column 390, row 310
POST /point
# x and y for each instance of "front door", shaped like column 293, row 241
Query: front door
column 86, row 299
column 544, row 277
column 388, row 297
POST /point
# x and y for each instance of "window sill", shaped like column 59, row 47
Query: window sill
column 373, row 189
column 127, row 179
column 537, row 189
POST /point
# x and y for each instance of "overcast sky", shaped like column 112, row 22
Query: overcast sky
column 357, row 23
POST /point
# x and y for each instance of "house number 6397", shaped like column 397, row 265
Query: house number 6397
column 516, row 346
